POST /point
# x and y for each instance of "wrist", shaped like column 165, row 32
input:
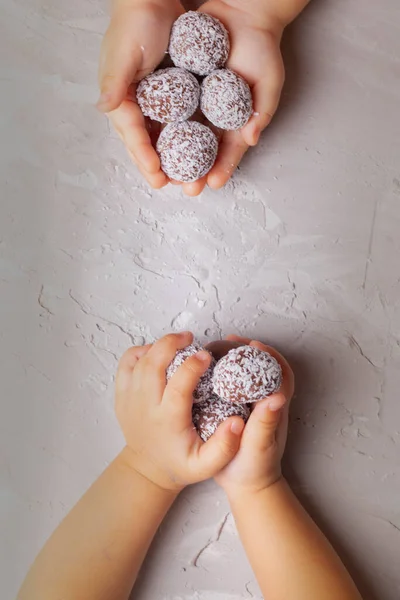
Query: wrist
column 160, row 485
column 238, row 494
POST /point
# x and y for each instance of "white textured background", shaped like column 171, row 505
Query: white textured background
column 301, row 250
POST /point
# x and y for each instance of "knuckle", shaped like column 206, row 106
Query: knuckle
column 193, row 365
column 126, row 358
column 170, row 339
column 227, row 448
column 174, row 388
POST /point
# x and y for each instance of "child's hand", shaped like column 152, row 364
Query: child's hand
column 134, row 45
column 156, row 418
column 255, row 55
column 257, row 465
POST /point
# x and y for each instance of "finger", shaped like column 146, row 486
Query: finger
column 130, row 124
column 237, row 338
column 163, row 351
column 156, row 180
column 282, row 433
column 230, row 153
column 195, row 187
column 131, row 356
column 126, row 365
column 178, row 396
column 266, row 97
column 220, row 449
column 263, row 423
column 152, row 368
column 120, row 59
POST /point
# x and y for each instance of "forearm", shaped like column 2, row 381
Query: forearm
column 97, row 551
column 291, row 558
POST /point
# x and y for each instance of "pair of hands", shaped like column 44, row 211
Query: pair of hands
column 156, row 419
column 135, row 44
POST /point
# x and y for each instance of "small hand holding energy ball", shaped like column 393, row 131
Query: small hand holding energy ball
column 156, row 415
column 238, row 376
column 134, row 45
column 255, row 30
column 257, row 465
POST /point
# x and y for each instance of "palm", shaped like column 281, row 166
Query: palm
column 134, row 45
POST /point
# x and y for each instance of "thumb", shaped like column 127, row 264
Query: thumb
column 120, row 60
column 266, row 96
column 263, row 424
column 222, row 446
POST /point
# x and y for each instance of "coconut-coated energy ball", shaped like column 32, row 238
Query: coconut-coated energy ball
column 199, row 43
column 168, row 95
column 208, row 415
column 204, row 387
column 246, row 374
column 187, row 150
column 226, row 100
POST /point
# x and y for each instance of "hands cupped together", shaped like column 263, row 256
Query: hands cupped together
column 136, row 43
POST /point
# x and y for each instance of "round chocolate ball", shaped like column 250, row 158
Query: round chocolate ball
column 208, row 415
column 187, row 150
column 204, row 387
column 226, row 100
column 246, row 374
column 199, row 43
column 168, row 95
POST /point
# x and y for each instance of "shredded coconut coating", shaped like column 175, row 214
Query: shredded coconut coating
column 168, row 95
column 204, row 387
column 199, row 43
column 226, row 100
column 208, row 415
column 187, row 150
column 246, row 374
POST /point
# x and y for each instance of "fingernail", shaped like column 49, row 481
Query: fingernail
column 184, row 333
column 256, row 137
column 275, row 404
column 103, row 100
column 237, row 427
column 203, row 356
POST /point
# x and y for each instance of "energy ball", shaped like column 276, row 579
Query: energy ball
column 204, row 387
column 208, row 415
column 226, row 100
column 199, row 43
column 246, row 374
column 187, row 150
column 169, row 95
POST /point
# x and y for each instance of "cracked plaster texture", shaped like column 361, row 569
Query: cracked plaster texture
column 301, row 249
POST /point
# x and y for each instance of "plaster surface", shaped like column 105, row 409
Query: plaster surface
column 301, row 249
